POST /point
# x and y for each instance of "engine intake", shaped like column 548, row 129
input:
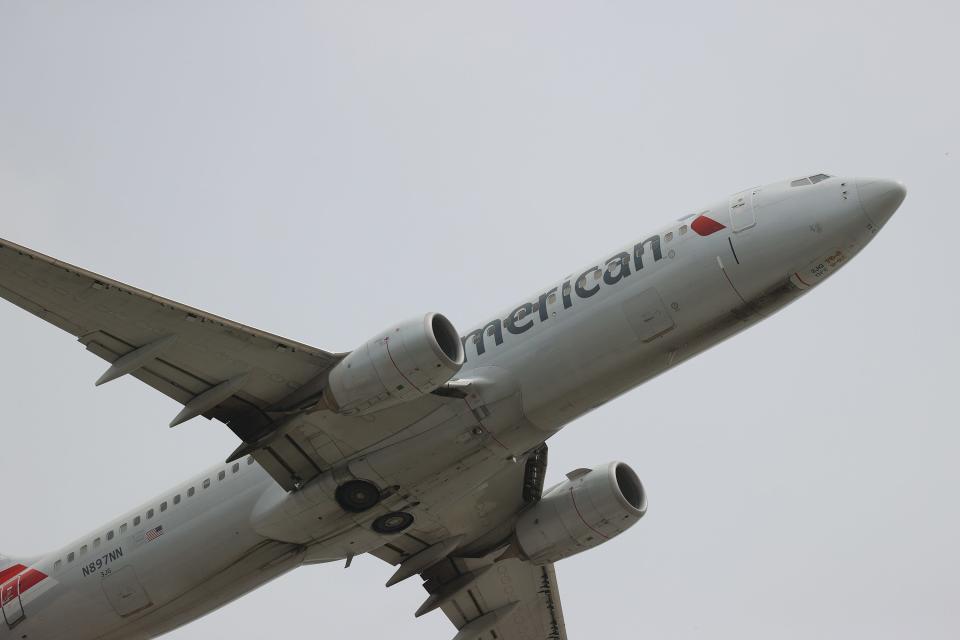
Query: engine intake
column 589, row 508
column 406, row 361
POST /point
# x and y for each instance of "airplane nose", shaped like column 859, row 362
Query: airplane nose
column 880, row 198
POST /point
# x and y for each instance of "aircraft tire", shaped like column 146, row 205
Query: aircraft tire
column 357, row 496
column 393, row 522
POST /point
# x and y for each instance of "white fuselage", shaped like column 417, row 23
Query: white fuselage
column 567, row 348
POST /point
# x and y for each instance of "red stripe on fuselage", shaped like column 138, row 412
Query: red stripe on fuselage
column 31, row 578
column 10, row 572
column 12, row 588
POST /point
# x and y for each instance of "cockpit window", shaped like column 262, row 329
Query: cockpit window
column 820, row 177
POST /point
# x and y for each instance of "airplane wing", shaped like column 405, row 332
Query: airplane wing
column 510, row 600
column 262, row 386
column 214, row 367
column 490, row 594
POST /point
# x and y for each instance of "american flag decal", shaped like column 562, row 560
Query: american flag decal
column 153, row 534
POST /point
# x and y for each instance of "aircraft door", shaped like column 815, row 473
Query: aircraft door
column 647, row 315
column 10, row 602
column 743, row 210
column 124, row 591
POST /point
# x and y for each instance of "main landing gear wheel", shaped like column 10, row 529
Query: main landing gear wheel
column 357, row 496
column 394, row 522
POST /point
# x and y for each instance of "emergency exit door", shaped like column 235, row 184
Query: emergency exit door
column 743, row 210
column 10, row 602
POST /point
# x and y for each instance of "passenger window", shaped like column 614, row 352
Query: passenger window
column 123, row 528
column 190, row 492
column 83, row 549
column 206, row 483
column 163, row 507
column 70, row 557
column 56, row 565
column 552, row 298
column 136, row 521
column 683, row 229
column 221, row 475
column 249, row 459
column 236, row 467
column 668, row 237
column 109, row 535
column 149, row 513
column 96, row 543
column 176, row 499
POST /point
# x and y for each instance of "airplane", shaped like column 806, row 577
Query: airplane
column 422, row 447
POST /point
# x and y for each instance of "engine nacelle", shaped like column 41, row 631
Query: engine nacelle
column 587, row 509
column 406, row 361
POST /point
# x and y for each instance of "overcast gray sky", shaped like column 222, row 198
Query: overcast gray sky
column 320, row 169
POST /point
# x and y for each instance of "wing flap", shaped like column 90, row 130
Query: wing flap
column 513, row 598
column 289, row 458
column 182, row 387
column 240, row 411
column 38, row 310
column 215, row 367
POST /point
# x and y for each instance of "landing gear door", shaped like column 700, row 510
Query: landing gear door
column 10, row 602
column 743, row 209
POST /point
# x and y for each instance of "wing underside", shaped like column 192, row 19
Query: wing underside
column 510, row 600
column 479, row 583
column 215, row 367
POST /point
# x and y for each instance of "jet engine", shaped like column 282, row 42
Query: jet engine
column 587, row 509
column 408, row 360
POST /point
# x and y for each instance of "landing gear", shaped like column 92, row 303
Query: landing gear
column 394, row 522
column 357, row 496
